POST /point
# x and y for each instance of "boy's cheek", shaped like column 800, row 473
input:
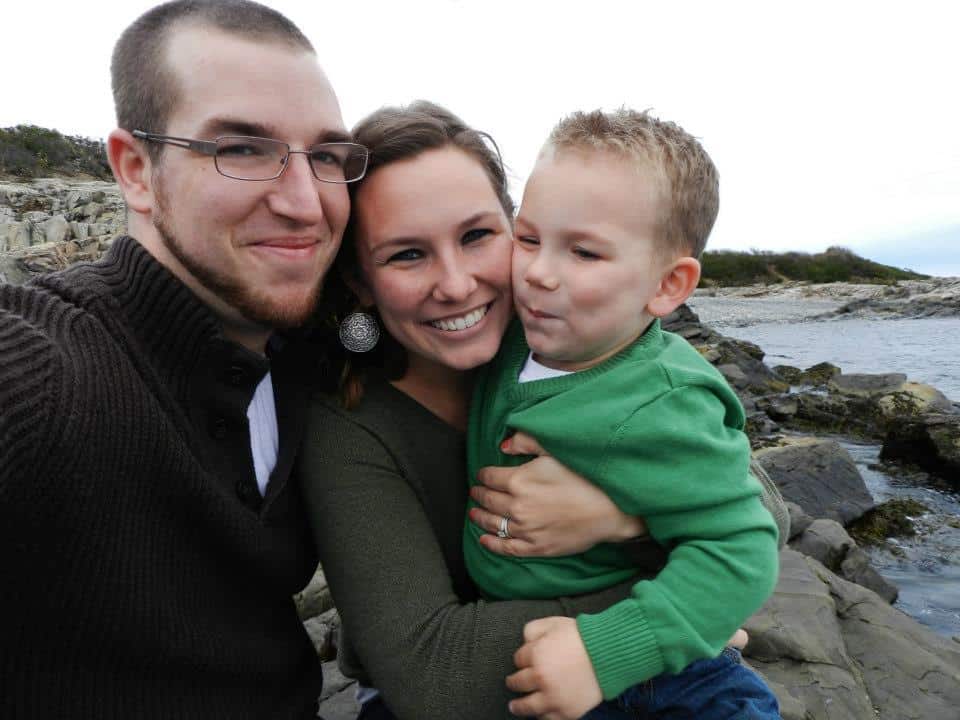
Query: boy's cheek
column 518, row 265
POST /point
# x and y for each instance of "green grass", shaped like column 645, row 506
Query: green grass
column 836, row 264
column 28, row 151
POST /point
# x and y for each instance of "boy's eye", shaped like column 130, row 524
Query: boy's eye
column 406, row 255
column 476, row 234
column 585, row 254
column 528, row 240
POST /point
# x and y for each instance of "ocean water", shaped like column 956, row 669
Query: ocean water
column 926, row 567
column 926, row 349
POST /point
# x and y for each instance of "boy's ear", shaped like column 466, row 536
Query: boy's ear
column 677, row 284
column 132, row 169
column 354, row 281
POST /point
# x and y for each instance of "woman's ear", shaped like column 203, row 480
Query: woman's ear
column 352, row 277
column 676, row 285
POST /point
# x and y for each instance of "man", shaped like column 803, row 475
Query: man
column 149, row 550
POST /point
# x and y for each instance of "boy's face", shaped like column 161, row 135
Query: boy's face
column 584, row 263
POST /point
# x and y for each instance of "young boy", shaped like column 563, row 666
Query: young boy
column 617, row 210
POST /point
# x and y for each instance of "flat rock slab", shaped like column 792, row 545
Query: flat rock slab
column 843, row 653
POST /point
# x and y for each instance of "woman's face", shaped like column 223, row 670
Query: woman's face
column 434, row 247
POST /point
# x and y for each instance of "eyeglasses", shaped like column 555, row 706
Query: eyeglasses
column 256, row 158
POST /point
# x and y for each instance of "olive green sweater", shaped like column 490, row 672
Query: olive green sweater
column 385, row 491
column 661, row 432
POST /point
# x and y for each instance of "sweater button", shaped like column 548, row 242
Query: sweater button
column 218, row 428
column 236, row 375
column 243, row 492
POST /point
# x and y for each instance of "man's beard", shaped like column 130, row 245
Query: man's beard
column 256, row 306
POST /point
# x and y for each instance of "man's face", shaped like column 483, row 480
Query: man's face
column 256, row 251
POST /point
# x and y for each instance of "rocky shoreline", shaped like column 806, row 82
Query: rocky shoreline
column 51, row 223
column 829, row 641
column 933, row 297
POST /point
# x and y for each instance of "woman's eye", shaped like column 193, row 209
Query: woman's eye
column 476, row 234
column 528, row 240
column 585, row 254
column 406, row 255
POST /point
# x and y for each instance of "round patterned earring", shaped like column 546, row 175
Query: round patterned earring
column 359, row 332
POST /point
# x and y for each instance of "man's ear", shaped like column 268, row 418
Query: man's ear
column 354, row 280
column 677, row 284
column 132, row 169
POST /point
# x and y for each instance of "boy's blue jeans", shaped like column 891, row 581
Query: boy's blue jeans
column 721, row 688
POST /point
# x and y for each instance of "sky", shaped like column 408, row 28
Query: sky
column 832, row 123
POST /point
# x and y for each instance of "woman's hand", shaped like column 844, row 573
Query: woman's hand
column 552, row 511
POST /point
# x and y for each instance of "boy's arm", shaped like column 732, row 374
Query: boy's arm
column 699, row 501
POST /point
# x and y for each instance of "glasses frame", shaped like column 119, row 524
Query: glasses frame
column 209, row 147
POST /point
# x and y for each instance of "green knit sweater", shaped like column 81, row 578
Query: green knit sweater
column 658, row 428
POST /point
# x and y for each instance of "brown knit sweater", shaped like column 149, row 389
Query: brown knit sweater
column 141, row 574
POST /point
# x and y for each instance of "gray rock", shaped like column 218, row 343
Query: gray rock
column 799, row 520
column 56, row 229
column 866, row 385
column 857, row 569
column 91, row 210
column 338, row 698
column 80, row 230
column 819, row 374
column 930, row 441
column 315, row 598
column 734, row 375
column 843, row 653
column 35, row 217
column 778, row 407
column 322, row 631
column 827, row 542
column 820, row 476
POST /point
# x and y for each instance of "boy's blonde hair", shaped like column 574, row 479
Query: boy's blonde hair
column 690, row 189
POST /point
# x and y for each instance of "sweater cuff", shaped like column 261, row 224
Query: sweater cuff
column 621, row 646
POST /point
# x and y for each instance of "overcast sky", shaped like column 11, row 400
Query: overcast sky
column 831, row 122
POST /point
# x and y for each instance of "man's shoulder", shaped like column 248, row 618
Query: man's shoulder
column 47, row 335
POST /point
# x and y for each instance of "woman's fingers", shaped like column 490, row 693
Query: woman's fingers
column 522, row 444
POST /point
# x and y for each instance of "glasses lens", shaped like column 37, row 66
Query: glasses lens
column 339, row 162
column 250, row 158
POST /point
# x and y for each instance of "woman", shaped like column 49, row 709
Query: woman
column 428, row 251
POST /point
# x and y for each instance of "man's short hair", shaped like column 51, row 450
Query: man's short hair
column 690, row 192
column 145, row 90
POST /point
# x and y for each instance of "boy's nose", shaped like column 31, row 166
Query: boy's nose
column 541, row 274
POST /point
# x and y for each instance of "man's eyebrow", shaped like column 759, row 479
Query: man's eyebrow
column 231, row 126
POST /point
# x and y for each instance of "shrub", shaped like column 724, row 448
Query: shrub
column 836, row 264
column 29, row 151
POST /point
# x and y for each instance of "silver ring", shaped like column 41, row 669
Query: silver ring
column 503, row 532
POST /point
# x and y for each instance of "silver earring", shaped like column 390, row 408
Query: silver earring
column 359, row 332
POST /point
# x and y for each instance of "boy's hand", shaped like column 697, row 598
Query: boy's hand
column 552, row 511
column 555, row 670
